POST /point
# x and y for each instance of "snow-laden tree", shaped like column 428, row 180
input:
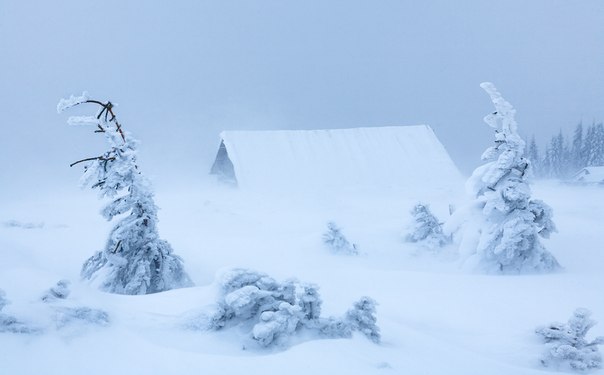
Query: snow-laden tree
column 362, row 318
column 273, row 312
column 426, row 228
column 558, row 157
column 577, row 150
column 534, row 158
column 594, row 145
column 135, row 259
column 509, row 223
column 567, row 345
column 337, row 242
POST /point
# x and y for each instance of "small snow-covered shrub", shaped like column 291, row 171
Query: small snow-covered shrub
column 362, row 318
column 426, row 228
column 23, row 225
column 567, row 345
column 59, row 291
column 337, row 243
column 273, row 311
column 83, row 315
column 3, row 300
column 67, row 315
column 9, row 323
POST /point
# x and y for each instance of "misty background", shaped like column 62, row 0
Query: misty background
column 182, row 71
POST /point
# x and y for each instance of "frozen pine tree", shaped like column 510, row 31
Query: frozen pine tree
column 534, row 158
column 577, row 151
column 426, row 228
column 595, row 145
column 335, row 240
column 567, row 345
column 509, row 222
column 362, row 318
column 135, row 260
column 559, row 157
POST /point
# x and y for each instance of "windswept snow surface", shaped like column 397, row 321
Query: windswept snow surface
column 434, row 318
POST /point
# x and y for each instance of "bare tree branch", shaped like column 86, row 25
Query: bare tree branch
column 102, row 158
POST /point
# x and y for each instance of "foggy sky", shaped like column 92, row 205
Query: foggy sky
column 182, row 71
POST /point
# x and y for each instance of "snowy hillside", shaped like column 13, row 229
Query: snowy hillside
column 434, row 317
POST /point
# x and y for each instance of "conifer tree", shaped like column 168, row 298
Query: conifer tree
column 557, row 156
column 594, row 145
column 567, row 345
column 577, row 152
column 426, row 228
column 589, row 145
column 510, row 221
column 337, row 242
column 534, row 158
column 134, row 260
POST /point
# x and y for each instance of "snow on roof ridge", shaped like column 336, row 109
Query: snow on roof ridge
column 323, row 129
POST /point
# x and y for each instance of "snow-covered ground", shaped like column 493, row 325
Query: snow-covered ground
column 434, row 317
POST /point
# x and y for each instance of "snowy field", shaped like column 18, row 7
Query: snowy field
column 434, row 317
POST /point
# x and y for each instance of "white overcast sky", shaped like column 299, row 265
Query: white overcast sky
column 182, row 71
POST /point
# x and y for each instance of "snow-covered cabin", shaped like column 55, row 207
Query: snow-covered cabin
column 392, row 156
column 590, row 175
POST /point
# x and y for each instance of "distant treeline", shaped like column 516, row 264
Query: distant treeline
column 563, row 157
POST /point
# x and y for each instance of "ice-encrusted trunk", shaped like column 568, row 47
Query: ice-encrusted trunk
column 135, row 259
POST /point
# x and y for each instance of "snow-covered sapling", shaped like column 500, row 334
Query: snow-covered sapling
column 567, row 345
column 336, row 242
column 65, row 316
column 9, row 323
column 362, row 318
column 135, row 260
column 426, row 228
column 3, row 300
column 273, row 312
column 510, row 222
column 59, row 291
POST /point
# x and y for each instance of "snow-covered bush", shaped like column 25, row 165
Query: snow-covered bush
column 362, row 318
column 426, row 228
column 23, row 225
column 336, row 242
column 9, row 323
column 135, row 260
column 273, row 312
column 59, row 291
column 509, row 222
column 567, row 345
column 66, row 316
column 3, row 300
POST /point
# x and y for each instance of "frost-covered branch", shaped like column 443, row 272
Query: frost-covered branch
column 72, row 101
